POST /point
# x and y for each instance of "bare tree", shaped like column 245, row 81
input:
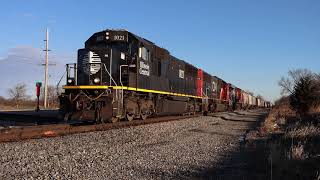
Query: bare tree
column 52, row 96
column 302, row 87
column 2, row 99
column 318, row 77
column 18, row 93
column 287, row 83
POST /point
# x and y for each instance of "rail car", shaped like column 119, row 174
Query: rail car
column 119, row 75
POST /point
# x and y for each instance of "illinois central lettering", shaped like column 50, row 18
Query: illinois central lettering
column 144, row 69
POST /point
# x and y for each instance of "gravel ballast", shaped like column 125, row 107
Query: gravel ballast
column 176, row 149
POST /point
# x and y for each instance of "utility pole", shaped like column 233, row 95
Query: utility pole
column 46, row 69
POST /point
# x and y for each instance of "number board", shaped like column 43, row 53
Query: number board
column 119, row 36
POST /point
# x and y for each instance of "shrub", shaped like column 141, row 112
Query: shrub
column 305, row 95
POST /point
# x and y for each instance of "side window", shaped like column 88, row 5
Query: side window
column 144, row 53
column 214, row 87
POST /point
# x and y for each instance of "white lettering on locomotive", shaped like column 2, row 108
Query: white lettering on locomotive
column 144, row 69
column 91, row 62
column 119, row 37
column 181, row 74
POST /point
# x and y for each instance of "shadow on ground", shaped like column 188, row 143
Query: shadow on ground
column 243, row 163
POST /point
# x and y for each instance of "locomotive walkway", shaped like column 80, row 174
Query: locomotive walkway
column 201, row 147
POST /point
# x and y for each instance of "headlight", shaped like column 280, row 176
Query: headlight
column 70, row 81
column 96, row 80
column 123, row 56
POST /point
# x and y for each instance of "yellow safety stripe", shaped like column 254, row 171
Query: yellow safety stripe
column 86, row 87
column 130, row 89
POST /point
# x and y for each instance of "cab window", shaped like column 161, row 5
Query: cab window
column 214, row 87
column 144, row 53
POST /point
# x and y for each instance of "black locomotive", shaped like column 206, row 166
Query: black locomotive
column 121, row 75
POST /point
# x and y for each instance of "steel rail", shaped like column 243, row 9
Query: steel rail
column 54, row 130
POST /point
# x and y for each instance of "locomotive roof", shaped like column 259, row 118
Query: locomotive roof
column 143, row 40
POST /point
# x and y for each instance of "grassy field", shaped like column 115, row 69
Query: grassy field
column 292, row 142
column 9, row 105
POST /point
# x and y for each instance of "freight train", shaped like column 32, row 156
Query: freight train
column 119, row 75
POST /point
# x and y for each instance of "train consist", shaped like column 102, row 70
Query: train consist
column 119, row 75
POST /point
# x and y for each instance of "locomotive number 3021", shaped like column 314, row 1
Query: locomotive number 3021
column 119, row 37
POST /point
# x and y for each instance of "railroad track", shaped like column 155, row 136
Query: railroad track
column 27, row 118
column 58, row 129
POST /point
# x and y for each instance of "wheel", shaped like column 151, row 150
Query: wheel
column 129, row 117
column 98, row 118
column 103, row 120
column 143, row 116
column 67, row 117
column 114, row 119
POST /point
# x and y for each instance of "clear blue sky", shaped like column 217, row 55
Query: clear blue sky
column 249, row 43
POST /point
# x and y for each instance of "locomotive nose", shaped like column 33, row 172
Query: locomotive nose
column 94, row 66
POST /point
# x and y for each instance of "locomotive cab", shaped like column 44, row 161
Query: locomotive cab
column 104, row 55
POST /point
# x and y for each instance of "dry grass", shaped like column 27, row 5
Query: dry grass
column 269, row 124
column 315, row 110
column 298, row 153
column 27, row 104
column 279, row 115
column 295, row 153
column 305, row 131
